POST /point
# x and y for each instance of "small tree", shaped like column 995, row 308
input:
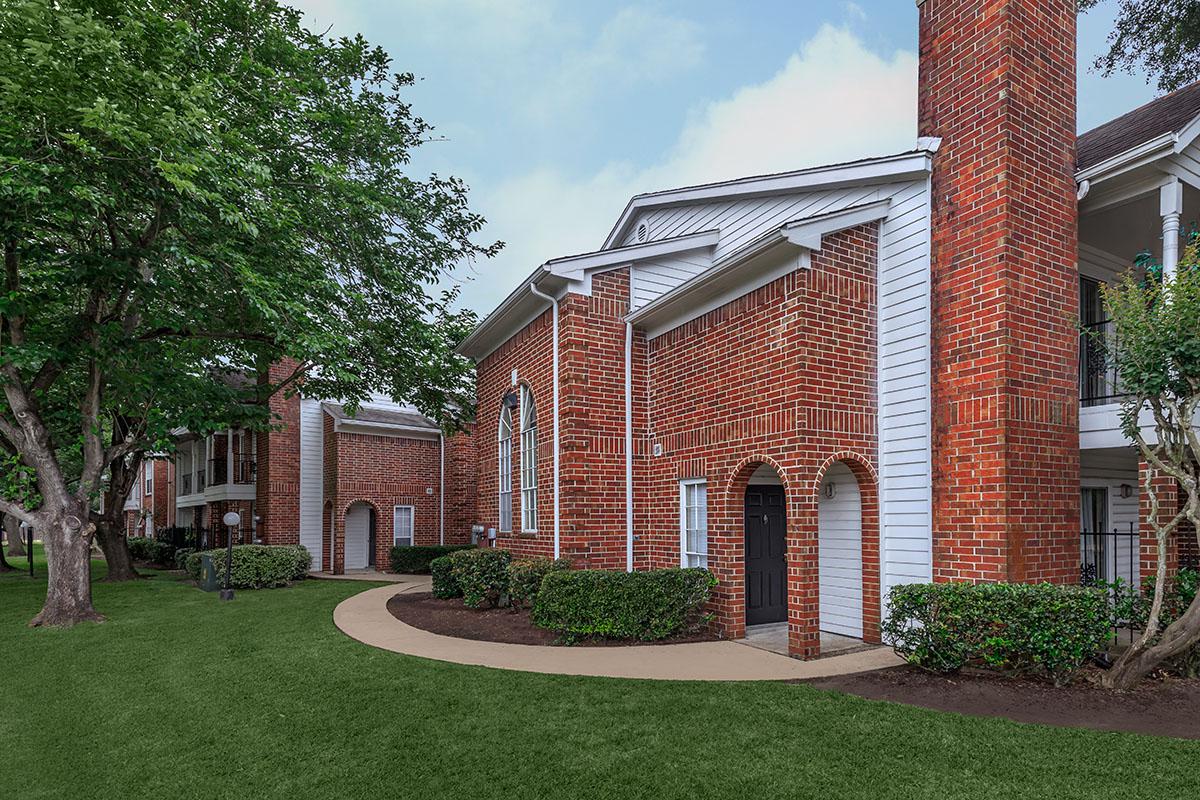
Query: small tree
column 1157, row 360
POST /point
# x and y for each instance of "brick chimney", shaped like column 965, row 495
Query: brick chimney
column 277, row 495
column 997, row 85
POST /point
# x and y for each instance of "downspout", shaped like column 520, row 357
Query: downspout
column 554, row 349
column 442, row 491
column 629, row 447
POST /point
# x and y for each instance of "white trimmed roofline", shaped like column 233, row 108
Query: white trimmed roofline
column 739, row 271
column 1168, row 144
column 872, row 170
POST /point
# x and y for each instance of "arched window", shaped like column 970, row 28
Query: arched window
column 528, row 461
column 505, row 471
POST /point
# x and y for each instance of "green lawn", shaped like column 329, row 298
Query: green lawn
column 179, row 695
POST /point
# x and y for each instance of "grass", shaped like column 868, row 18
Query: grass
column 179, row 695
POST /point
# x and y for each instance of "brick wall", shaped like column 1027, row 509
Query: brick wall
column 997, row 83
column 783, row 376
column 278, row 482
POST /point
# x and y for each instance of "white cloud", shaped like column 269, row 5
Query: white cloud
column 834, row 100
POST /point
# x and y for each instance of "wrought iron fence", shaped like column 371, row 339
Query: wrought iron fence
column 1098, row 382
column 1108, row 556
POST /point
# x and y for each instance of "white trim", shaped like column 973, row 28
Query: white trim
column 412, row 525
column 877, row 170
column 683, row 529
column 1130, row 159
column 574, row 267
column 628, row 447
column 528, row 452
column 555, row 390
column 504, row 459
column 810, row 233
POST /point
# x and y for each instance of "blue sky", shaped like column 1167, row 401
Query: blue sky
column 556, row 111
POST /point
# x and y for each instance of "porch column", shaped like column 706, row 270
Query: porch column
column 1171, row 207
column 229, row 457
column 1167, row 491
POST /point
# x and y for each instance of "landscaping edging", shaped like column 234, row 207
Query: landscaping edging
column 365, row 617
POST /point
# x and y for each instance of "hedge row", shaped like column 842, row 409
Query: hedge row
column 1021, row 628
column 151, row 551
column 416, row 560
column 489, row 577
column 647, row 605
column 256, row 566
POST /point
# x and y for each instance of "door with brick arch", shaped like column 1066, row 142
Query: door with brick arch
column 766, row 555
column 358, row 536
column 839, row 524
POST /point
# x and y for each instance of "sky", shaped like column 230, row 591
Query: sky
column 555, row 112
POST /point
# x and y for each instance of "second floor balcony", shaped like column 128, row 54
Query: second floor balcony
column 245, row 470
column 1098, row 381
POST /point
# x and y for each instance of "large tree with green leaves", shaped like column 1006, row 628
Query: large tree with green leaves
column 190, row 185
column 1161, row 37
column 1157, row 362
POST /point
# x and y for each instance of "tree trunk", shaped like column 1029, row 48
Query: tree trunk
column 4, row 565
column 16, row 536
column 1136, row 663
column 68, row 541
column 115, row 546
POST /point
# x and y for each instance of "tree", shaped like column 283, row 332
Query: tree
column 197, row 186
column 1157, row 360
column 7, row 530
column 1160, row 36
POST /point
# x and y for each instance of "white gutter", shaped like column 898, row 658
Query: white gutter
column 442, row 492
column 1123, row 161
column 554, row 348
column 629, row 447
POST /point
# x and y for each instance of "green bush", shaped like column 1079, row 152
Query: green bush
column 444, row 584
column 525, row 577
column 624, row 605
column 1131, row 608
column 416, row 560
column 181, row 556
column 1023, row 628
column 482, row 575
column 151, row 551
column 256, row 566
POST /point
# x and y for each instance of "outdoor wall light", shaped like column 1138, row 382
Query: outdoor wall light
column 511, row 401
column 830, row 490
column 1126, row 491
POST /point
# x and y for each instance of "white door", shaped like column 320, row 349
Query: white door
column 839, row 526
column 358, row 533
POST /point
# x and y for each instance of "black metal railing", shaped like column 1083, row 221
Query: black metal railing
column 1098, row 383
column 185, row 483
column 200, row 483
column 244, row 470
column 1107, row 557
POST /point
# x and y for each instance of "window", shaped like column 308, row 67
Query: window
column 149, row 478
column 402, row 526
column 528, row 461
column 693, row 523
column 505, row 471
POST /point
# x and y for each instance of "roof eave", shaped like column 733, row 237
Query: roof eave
column 1132, row 158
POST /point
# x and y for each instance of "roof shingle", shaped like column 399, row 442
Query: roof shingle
column 1170, row 113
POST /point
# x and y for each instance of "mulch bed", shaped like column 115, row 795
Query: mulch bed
column 1159, row 707
column 511, row 626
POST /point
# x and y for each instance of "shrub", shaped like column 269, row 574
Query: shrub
column 256, row 566
column 444, row 584
column 525, row 577
column 1131, row 608
column 482, row 575
column 624, row 605
column 1022, row 628
column 181, row 556
column 416, row 560
column 151, row 551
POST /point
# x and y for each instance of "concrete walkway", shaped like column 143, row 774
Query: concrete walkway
column 365, row 617
column 407, row 582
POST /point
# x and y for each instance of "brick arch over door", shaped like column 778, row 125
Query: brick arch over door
column 867, row 480
column 355, row 532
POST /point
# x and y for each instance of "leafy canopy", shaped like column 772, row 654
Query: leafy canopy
column 198, row 187
column 1160, row 36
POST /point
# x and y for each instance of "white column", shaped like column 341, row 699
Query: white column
column 1171, row 207
column 229, row 457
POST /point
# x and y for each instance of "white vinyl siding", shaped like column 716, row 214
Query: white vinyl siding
column 358, row 536
column 312, row 480
column 693, row 523
column 504, row 471
column 839, row 554
column 402, row 526
column 529, row 482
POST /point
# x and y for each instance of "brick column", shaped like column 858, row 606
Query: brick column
column 277, row 494
column 1167, row 490
column 997, row 85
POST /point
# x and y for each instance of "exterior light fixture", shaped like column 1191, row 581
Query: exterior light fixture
column 1126, row 491
column 511, row 401
column 231, row 519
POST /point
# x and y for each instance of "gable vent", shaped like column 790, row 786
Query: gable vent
column 643, row 232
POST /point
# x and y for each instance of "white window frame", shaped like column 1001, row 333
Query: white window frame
column 149, row 478
column 412, row 526
column 529, row 465
column 504, row 438
column 685, row 555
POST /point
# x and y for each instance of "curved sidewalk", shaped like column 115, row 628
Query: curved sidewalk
column 365, row 617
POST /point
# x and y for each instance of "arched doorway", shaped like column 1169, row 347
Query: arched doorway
column 360, row 530
column 840, row 552
column 766, row 548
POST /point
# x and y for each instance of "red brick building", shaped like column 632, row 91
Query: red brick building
column 347, row 486
column 824, row 383
column 151, row 503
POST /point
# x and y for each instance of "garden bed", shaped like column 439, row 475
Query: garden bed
column 1161, row 708
column 508, row 625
